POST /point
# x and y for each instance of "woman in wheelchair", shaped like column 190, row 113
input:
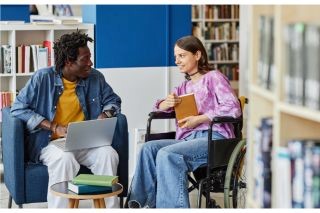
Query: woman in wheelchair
column 160, row 178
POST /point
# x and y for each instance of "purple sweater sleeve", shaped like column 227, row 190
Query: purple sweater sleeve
column 224, row 102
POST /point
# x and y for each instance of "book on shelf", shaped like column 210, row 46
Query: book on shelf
column 7, row 59
column 312, row 84
column 88, row 189
column 67, row 20
column 283, row 184
column 262, row 157
column 298, row 62
column 266, row 66
column 187, row 107
column 95, row 180
column 5, row 101
column 42, row 57
column 47, row 44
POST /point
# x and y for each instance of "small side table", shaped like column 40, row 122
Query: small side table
column 61, row 189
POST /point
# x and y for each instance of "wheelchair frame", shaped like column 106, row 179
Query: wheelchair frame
column 233, row 148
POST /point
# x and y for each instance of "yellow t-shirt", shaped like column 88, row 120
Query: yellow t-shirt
column 68, row 106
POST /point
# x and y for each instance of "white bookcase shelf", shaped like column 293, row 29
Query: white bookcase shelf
column 289, row 121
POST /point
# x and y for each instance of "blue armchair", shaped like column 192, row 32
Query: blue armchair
column 28, row 182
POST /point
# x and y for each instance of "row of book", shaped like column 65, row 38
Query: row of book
column 262, row 162
column 32, row 57
column 302, row 54
column 223, row 52
column 232, row 72
column 299, row 183
column 29, row 58
column 221, row 31
column 216, row 11
column 266, row 67
column 92, row 184
column 5, row 101
column 221, row 11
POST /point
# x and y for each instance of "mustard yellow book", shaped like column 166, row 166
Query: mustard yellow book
column 187, row 107
column 95, row 180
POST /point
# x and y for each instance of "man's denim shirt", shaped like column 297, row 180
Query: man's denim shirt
column 38, row 99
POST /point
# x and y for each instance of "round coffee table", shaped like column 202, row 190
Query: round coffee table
column 61, row 189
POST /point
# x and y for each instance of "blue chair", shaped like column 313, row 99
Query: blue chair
column 28, row 182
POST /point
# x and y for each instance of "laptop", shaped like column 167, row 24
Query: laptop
column 87, row 134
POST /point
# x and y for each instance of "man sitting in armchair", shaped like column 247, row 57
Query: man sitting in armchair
column 68, row 92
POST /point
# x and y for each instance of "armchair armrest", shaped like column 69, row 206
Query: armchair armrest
column 13, row 153
column 120, row 143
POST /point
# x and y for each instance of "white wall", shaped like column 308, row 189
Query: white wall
column 139, row 88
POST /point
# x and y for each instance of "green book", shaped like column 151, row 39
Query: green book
column 95, row 180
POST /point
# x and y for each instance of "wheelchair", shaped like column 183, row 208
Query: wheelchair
column 225, row 171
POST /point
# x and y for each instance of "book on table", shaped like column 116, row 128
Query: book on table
column 95, row 180
column 88, row 189
column 187, row 107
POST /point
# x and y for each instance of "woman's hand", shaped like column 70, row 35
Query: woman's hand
column 189, row 122
column 193, row 121
column 170, row 101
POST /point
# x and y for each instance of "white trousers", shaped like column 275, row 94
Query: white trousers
column 64, row 166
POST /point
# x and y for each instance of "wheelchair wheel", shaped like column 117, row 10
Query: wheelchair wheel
column 235, row 188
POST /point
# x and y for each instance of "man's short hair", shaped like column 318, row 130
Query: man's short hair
column 67, row 47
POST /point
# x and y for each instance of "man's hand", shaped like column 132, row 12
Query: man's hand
column 102, row 116
column 61, row 131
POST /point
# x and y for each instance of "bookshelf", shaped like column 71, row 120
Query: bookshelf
column 217, row 26
column 29, row 34
column 292, row 120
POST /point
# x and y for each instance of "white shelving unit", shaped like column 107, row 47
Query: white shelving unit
column 289, row 121
column 28, row 34
column 218, row 28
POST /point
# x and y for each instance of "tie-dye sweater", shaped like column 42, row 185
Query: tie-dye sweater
column 214, row 97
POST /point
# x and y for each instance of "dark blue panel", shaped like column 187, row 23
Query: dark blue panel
column 138, row 35
column 132, row 36
column 14, row 12
column 180, row 25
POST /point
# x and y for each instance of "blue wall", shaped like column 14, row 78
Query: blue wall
column 128, row 35
column 137, row 35
column 14, row 12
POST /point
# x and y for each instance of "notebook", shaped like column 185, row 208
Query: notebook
column 187, row 107
column 87, row 134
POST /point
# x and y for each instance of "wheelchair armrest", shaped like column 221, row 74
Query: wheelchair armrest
column 225, row 119
column 162, row 115
column 159, row 115
column 13, row 153
column 237, row 124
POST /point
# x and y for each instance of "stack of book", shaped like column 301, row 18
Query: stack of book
column 92, row 184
